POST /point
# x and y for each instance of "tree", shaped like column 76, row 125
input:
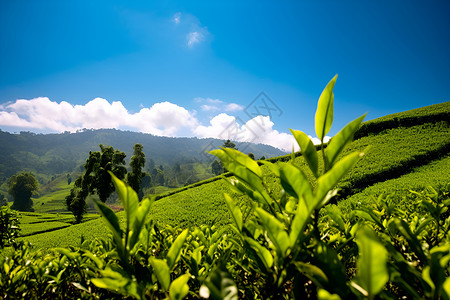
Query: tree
column 217, row 167
column 96, row 179
column 21, row 187
column 158, row 177
column 229, row 144
column 3, row 201
column 251, row 155
column 134, row 177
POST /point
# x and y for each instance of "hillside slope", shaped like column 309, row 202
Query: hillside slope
column 59, row 153
column 411, row 156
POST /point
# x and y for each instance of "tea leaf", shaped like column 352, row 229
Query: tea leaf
column 235, row 211
column 175, row 249
column 179, row 287
column 324, row 113
column 162, row 272
column 372, row 270
column 340, row 140
column 308, row 149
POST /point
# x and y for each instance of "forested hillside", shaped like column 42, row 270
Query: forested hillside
column 51, row 154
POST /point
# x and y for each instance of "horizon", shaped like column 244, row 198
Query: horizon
column 244, row 71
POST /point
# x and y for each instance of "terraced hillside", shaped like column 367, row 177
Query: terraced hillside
column 408, row 150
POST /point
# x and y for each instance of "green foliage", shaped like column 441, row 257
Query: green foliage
column 21, row 187
column 96, row 179
column 229, row 144
column 134, row 177
column 216, row 167
column 9, row 226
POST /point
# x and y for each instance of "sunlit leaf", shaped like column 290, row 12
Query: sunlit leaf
column 179, row 287
column 111, row 220
column 308, row 149
column 175, row 249
column 162, row 272
column 129, row 200
column 294, row 181
column 340, row 140
column 328, row 181
column 275, row 230
column 324, row 113
column 235, row 211
column 372, row 271
column 263, row 253
column 325, row 295
column 139, row 220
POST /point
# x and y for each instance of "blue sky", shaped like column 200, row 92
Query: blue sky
column 192, row 68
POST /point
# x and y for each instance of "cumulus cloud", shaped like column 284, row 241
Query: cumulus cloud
column 257, row 130
column 163, row 118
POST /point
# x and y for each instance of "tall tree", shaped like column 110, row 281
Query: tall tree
column 21, row 187
column 96, row 179
column 134, row 177
column 217, row 167
column 229, row 144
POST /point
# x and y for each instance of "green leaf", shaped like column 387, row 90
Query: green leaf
column 340, row 140
column 313, row 272
column 308, row 149
column 139, row 221
column 275, row 230
column 235, row 211
column 295, row 182
column 162, row 272
column 446, row 286
column 372, row 271
column 175, row 249
column 412, row 240
column 129, row 200
column 244, row 160
column 327, row 259
column 219, row 285
column 95, row 259
column 299, row 222
column 272, row 167
column 325, row 295
column 324, row 113
column 113, row 280
column 328, row 181
column 232, row 158
column 263, row 253
column 179, row 287
column 111, row 220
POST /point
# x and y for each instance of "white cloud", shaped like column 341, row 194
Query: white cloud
column 193, row 38
column 206, row 107
column 176, row 18
column 217, row 105
column 164, row 118
column 257, row 130
column 233, row 107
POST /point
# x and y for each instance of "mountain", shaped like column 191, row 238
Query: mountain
column 50, row 154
